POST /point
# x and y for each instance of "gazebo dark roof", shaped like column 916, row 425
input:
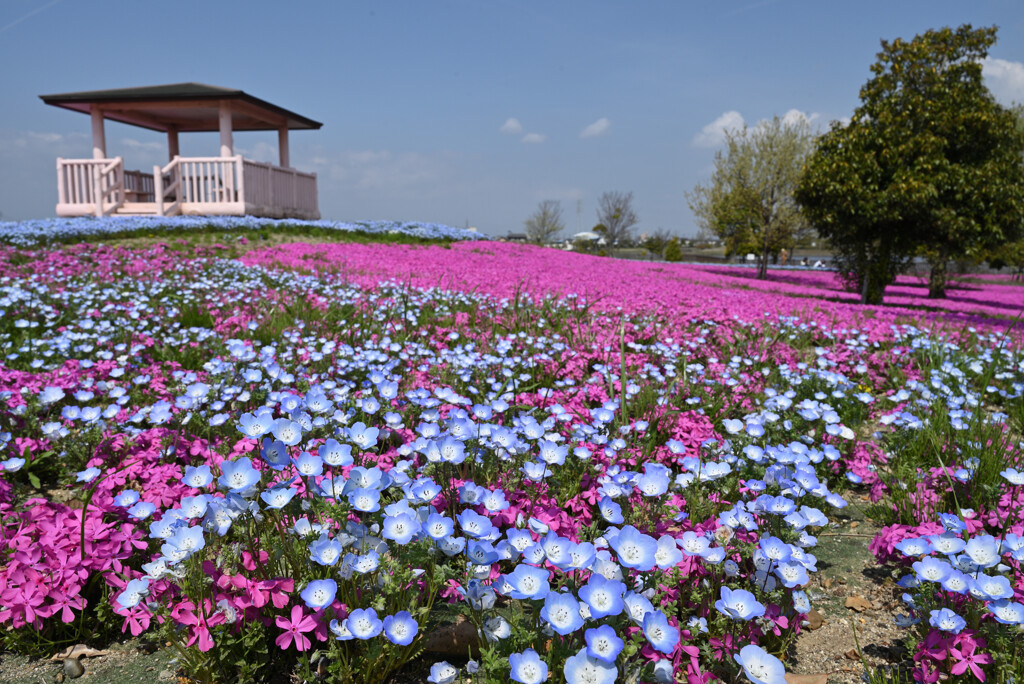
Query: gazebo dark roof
column 185, row 107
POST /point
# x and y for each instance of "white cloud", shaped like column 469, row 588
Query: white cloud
column 511, row 127
column 1005, row 79
column 713, row 134
column 402, row 174
column 795, row 116
column 597, row 129
column 133, row 144
column 534, row 138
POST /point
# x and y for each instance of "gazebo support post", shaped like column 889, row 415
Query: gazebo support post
column 99, row 137
column 172, row 144
column 227, row 145
column 282, row 147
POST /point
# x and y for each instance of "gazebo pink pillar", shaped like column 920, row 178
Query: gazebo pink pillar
column 227, row 145
column 172, row 143
column 282, row 147
column 99, row 137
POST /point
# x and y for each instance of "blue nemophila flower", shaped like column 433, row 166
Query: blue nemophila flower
column 400, row 628
column 325, row 551
column 760, row 666
column 983, row 550
column 739, row 604
column 362, row 436
column 947, row 543
column 142, row 510
column 451, row 545
column 197, row 476
column 914, row 546
column 335, row 454
column 585, row 669
column 364, row 500
column 693, row 544
column 668, row 554
column 1013, row 476
column 989, row 588
column 610, row 510
column 255, row 425
column 442, row 673
column 603, row 643
column 661, row 635
column 50, row 395
column 528, row 582
column 278, row 497
column 792, row 575
column 774, row 548
column 634, row 549
column 400, row 528
column 133, row 593
column 438, row 526
column 603, row 596
column 473, row 524
column 193, row 507
column 364, row 623
column 536, row 470
column 308, row 465
column 319, row 594
column 637, row 606
column 87, row 475
column 527, row 667
column 1007, row 612
column 946, row 620
column 562, row 612
column 932, row 569
column 126, row 498
column 238, row 476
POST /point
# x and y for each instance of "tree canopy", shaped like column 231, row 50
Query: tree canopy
column 616, row 215
column 545, row 222
column 749, row 202
column 929, row 164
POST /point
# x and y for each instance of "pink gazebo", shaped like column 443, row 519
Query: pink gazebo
column 227, row 184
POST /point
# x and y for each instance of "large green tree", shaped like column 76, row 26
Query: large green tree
column 749, row 203
column 929, row 164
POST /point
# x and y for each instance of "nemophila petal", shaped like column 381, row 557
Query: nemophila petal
column 947, row 621
column 197, row 476
column 325, row 551
column 637, row 606
column 473, row 524
column 603, row 596
column 87, row 475
column 668, row 554
column 319, row 593
column 133, row 593
column 693, row 544
column 452, row 546
column 400, row 628
column 364, row 500
column 528, row 582
column 603, row 643
column 562, row 613
column 278, row 497
column 585, row 669
column 126, row 498
column 635, row 549
column 983, row 550
column 142, row 510
column 760, row 666
column 792, row 575
column 661, row 635
column 400, row 528
column 438, row 526
column 527, row 667
column 364, row 623
column 610, row 510
column 308, row 465
column 946, row 543
column 1013, row 476
column 238, row 476
column 442, row 673
column 739, row 604
column 1007, row 612
column 932, row 569
column 335, row 454
column 497, row 628
column 993, row 588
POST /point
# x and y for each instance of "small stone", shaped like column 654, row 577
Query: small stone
column 73, row 668
column 854, row 525
column 806, row 679
column 165, row 675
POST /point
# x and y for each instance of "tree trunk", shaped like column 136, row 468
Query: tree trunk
column 762, row 267
column 937, row 278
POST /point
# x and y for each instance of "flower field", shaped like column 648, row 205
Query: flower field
column 306, row 461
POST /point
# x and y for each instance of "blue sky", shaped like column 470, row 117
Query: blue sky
column 465, row 111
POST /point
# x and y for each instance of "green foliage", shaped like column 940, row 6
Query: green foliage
column 673, row 250
column 615, row 214
column 929, row 161
column 749, row 202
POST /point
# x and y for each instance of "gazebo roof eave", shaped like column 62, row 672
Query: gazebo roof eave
column 138, row 107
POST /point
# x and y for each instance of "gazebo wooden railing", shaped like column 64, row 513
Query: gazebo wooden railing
column 187, row 185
